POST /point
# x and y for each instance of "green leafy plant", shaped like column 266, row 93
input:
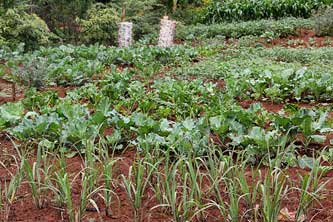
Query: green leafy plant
column 108, row 185
column 10, row 113
column 275, row 28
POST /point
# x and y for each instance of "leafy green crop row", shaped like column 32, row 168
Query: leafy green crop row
column 171, row 114
column 266, row 73
column 305, row 56
column 72, row 65
column 278, row 28
column 230, row 10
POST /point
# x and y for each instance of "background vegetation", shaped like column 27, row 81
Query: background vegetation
column 41, row 22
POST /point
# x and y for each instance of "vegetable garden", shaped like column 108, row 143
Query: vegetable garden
column 233, row 123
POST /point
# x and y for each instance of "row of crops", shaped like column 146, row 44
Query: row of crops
column 230, row 10
column 276, row 74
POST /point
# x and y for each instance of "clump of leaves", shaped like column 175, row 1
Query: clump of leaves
column 10, row 113
column 100, row 25
column 17, row 26
column 324, row 23
column 33, row 73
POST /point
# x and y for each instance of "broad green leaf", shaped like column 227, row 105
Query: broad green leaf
column 318, row 138
column 306, row 162
column 215, row 122
column 189, row 124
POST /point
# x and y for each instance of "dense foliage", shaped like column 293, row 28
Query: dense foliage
column 100, row 25
column 230, row 10
column 65, row 18
column 90, row 22
column 101, row 22
column 18, row 27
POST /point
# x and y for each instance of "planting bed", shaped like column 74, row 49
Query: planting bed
column 205, row 133
column 305, row 38
column 24, row 209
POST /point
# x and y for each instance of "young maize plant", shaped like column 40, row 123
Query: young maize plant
column 63, row 194
column 219, row 168
column 64, row 187
column 186, row 204
column 169, row 188
column 107, row 163
column 179, row 198
column 33, row 175
column 249, row 191
column 108, row 185
column 310, row 189
column 136, row 183
column 8, row 192
column 88, row 191
column 196, row 185
column 234, row 198
column 89, row 176
column 60, row 186
column 229, row 207
column 37, row 174
column 272, row 190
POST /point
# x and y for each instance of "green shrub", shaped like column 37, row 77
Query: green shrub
column 20, row 27
column 100, row 25
column 324, row 23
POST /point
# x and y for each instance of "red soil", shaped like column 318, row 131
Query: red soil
column 271, row 107
column 61, row 90
column 276, row 107
column 7, row 93
column 305, row 38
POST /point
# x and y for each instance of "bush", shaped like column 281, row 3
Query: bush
column 20, row 27
column 324, row 23
column 100, row 25
column 144, row 14
column 233, row 10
